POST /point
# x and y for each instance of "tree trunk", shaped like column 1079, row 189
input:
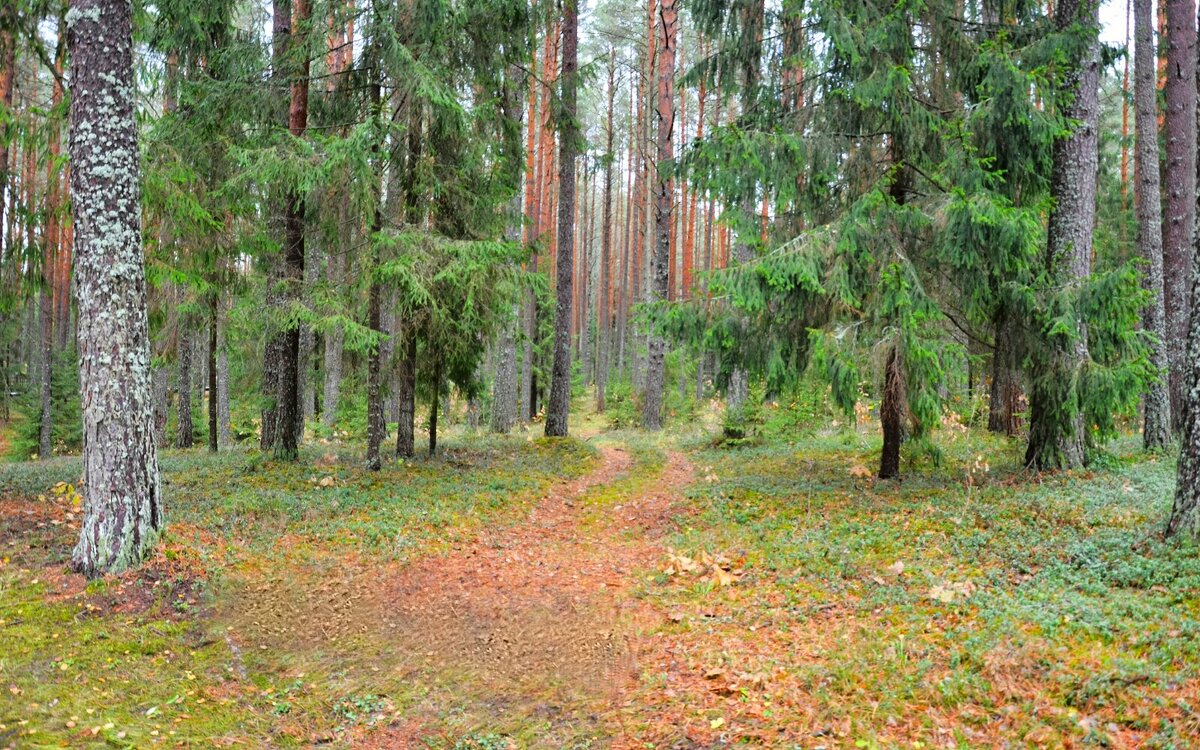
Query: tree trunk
column 333, row 347
column 1005, row 395
column 122, row 506
column 183, row 431
column 46, row 362
column 223, row 416
column 668, row 20
column 407, row 386
column 161, row 382
column 290, row 419
column 1179, row 131
column 891, row 416
column 1156, row 434
column 376, row 426
column 603, row 309
column 1056, row 429
column 435, row 402
column 559, row 403
column 213, row 417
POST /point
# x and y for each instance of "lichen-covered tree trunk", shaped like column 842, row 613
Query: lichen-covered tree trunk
column 1179, row 136
column 1056, row 431
column 122, row 504
column 1156, row 434
column 660, row 276
column 559, row 401
column 1184, row 521
column 406, row 385
column 183, row 431
column 504, row 387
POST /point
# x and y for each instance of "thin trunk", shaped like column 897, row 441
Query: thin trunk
column 333, row 337
column 406, row 383
column 122, row 505
column 560, row 378
column 435, row 402
column 1156, row 434
column 1006, row 392
column 161, row 380
column 603, row 324
column 223, row 415
column 376, row 425
column 213, row 417
column 504, row 392
column 183, row 431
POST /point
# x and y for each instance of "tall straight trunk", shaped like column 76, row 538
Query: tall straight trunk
column 281, row 31
column 406, row 384
column 183, row 432
column 289, row 416
column 603, row 323
column 46, row 361
column 1156, row 434
column 308, row 343
column 504, row 390
column 1179, row 135
column 223, row 415
column 54, row 233
column 668, row 20
column 376, row 425
column 213, row 417
column 559, row 402
column 1056, row 429
column 743, row 252
column 122, row 505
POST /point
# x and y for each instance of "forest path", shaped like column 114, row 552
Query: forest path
column 538, row 619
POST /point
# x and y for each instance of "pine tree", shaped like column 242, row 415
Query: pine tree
column 559, row 403
column 1157, row 431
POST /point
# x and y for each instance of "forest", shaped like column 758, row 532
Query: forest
column 682, row 374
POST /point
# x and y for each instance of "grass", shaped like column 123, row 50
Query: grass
column 965, row 606
column 143, row 659
column 969, row 605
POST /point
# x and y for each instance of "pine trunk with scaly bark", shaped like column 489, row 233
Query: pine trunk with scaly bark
column 668, row 23
column 559, row 401
column 122, row 504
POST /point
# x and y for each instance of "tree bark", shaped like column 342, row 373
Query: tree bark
column 559, row 402
column 1056, row 430
column 660, row 278
column 183, row 431
column 122, row 506
column 604, row 296
column 376, row 426
column 1005, row 395
column 213, row 418
column 406, row 383
column 1179, row 134
column 223, row 416
column 435, row 402
column 1156, row 434
column 333, row 344
column 891, row 416
column 290, row 419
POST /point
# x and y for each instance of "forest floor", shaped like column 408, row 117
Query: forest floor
column 618, row 591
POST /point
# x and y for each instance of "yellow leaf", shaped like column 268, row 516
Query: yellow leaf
column 716, row 723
